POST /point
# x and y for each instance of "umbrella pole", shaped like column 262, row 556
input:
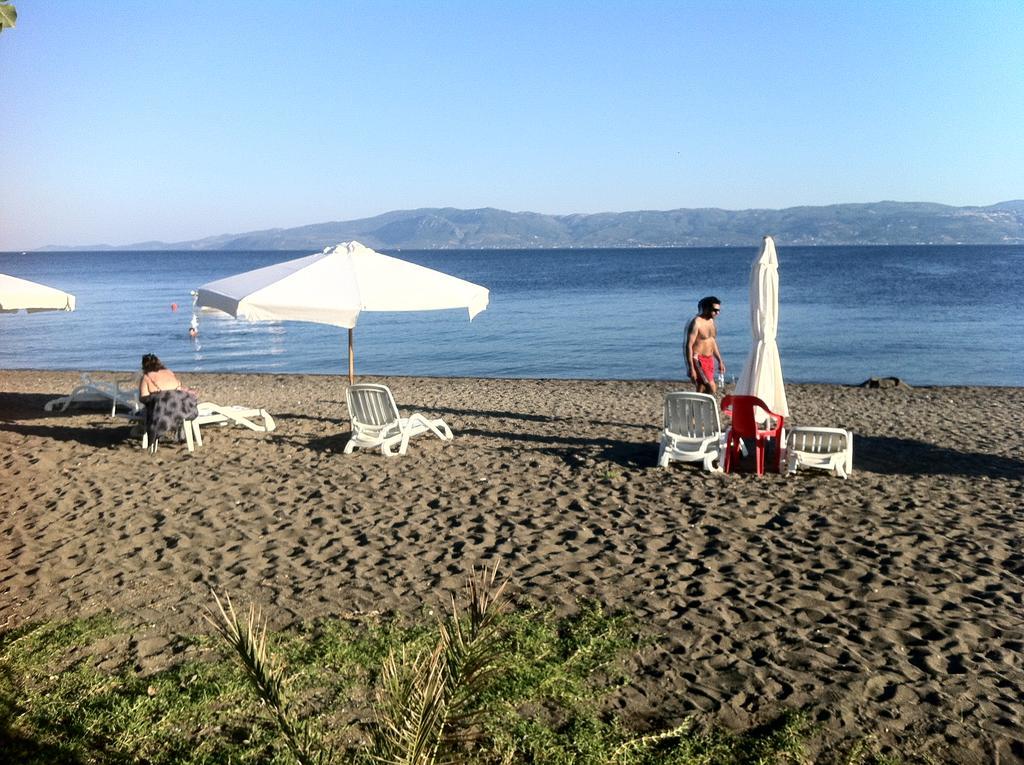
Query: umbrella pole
column 351, row 360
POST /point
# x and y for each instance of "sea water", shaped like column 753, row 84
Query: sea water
column 932, row 315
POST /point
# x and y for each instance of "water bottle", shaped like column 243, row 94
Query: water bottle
column 720, row 380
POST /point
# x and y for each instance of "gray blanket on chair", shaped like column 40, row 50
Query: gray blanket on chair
column 167, row 410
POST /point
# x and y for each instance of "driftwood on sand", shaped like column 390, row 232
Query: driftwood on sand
column 885, row 382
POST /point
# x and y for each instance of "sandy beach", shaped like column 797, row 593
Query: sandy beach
column 890, row 604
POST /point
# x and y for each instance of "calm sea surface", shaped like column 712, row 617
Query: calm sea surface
column 931, row 315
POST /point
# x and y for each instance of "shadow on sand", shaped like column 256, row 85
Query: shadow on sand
column 507, row 415
column 575, row 451
column 29, row 406
column 96, row 436
column 904, row 456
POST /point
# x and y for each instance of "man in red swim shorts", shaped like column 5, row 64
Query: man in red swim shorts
column 702, row 346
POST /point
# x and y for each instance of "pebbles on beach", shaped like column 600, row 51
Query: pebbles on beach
column 891, row 603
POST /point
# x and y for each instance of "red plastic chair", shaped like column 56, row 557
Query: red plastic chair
column 744, row 425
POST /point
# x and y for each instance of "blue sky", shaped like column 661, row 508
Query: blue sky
column 130, row 120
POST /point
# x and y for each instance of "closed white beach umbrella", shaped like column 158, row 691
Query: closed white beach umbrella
column 335, row 286
column 762, row 374
column 22, row 295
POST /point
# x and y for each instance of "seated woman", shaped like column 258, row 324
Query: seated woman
column 168, row 403
column 155, row 377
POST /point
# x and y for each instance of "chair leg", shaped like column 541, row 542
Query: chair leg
column 731, row 452
column 840, row 467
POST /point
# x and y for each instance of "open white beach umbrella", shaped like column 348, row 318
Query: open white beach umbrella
column 762, row 374
column 21, row 294
column 335, row 286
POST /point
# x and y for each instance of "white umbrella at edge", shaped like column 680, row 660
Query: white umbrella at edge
column 21, row 294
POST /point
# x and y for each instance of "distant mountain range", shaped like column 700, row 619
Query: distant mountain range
column 487, row 228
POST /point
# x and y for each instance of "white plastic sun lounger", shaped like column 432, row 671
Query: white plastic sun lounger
column 822, row 448
column 248, row 417
column 376, row 421
column 210, row 414
column 692, row 430
column 124, row 393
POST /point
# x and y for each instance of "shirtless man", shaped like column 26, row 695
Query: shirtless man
column 702, row 346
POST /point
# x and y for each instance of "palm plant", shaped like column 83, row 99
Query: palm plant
column 248, row 638
column 427, row 703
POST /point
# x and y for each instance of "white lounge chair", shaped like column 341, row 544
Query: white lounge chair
column 215, row 414
column 209, row 414
column 692, row 430
column 377, row 422
column 124, row 393
column 822, row 448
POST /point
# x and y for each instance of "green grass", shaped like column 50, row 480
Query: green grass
column 539, row 691
column 57, row 706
